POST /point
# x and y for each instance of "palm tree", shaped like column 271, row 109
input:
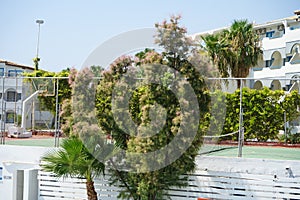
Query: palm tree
column 217, row 48
column 74, row 160
column 234, row 50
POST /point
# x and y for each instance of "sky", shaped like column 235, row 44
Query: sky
column 72, row 30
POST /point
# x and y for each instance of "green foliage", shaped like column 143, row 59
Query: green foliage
column 64, row 90
column 78, row 155
column 293, row 138
column 73, row 159
column 36, row 61
column 172, row 38
column 217, row 48
column 66, row 115
column 146, row 99
column 217, row 113
column 263, row 113
column 96, row 70
column 19, row 120
column 49, row 85
column 234, row 50
column 104, row 96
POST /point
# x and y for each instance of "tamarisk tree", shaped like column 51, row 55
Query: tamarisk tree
column 152, row 115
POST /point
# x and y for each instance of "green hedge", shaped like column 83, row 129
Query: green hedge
column 263, row 112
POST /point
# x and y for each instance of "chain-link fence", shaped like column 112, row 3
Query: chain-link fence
column 265, row 110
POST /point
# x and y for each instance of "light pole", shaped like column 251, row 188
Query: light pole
column 37, row 59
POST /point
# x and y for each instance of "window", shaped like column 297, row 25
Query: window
column 14, row 72
column 10, row 117
column 11, row 73
column 19, row 96
column 1, row 71
column 270, row 34
column 11, row 96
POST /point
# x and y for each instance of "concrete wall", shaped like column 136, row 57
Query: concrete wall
column 12, row 159
column 19, row 174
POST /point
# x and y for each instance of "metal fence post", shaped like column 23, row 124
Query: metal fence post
column 241, row 131
column 56, row 116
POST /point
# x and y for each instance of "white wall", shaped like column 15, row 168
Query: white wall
column 13, row 158
column 249, row 165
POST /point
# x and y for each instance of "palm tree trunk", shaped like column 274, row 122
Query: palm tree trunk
column 91, row 192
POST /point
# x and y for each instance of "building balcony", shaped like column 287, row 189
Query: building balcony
column 275, row 67
column 273, row 43
column 257, row 68
column 12, row 82
column 292, row 35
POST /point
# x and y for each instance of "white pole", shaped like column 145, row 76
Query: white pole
column 38, row 41
column 24, row 108
column 56, row 116
column 32, row 115
column 58, row 126
column 241, row 131
column 285, row 128
column 2, row 113
column 39, row 22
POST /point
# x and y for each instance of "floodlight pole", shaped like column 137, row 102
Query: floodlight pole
column 241, row 129
column 37, row 59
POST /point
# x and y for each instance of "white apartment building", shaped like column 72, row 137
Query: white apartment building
column 280, row 42
column 279, row 66
column 13, row 91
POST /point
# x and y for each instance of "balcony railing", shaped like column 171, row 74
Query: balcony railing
column 257, row 68
column 275, row 67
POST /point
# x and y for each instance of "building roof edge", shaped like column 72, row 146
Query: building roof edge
column 16, row 65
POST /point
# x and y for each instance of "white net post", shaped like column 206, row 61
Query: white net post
column 241, row 132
